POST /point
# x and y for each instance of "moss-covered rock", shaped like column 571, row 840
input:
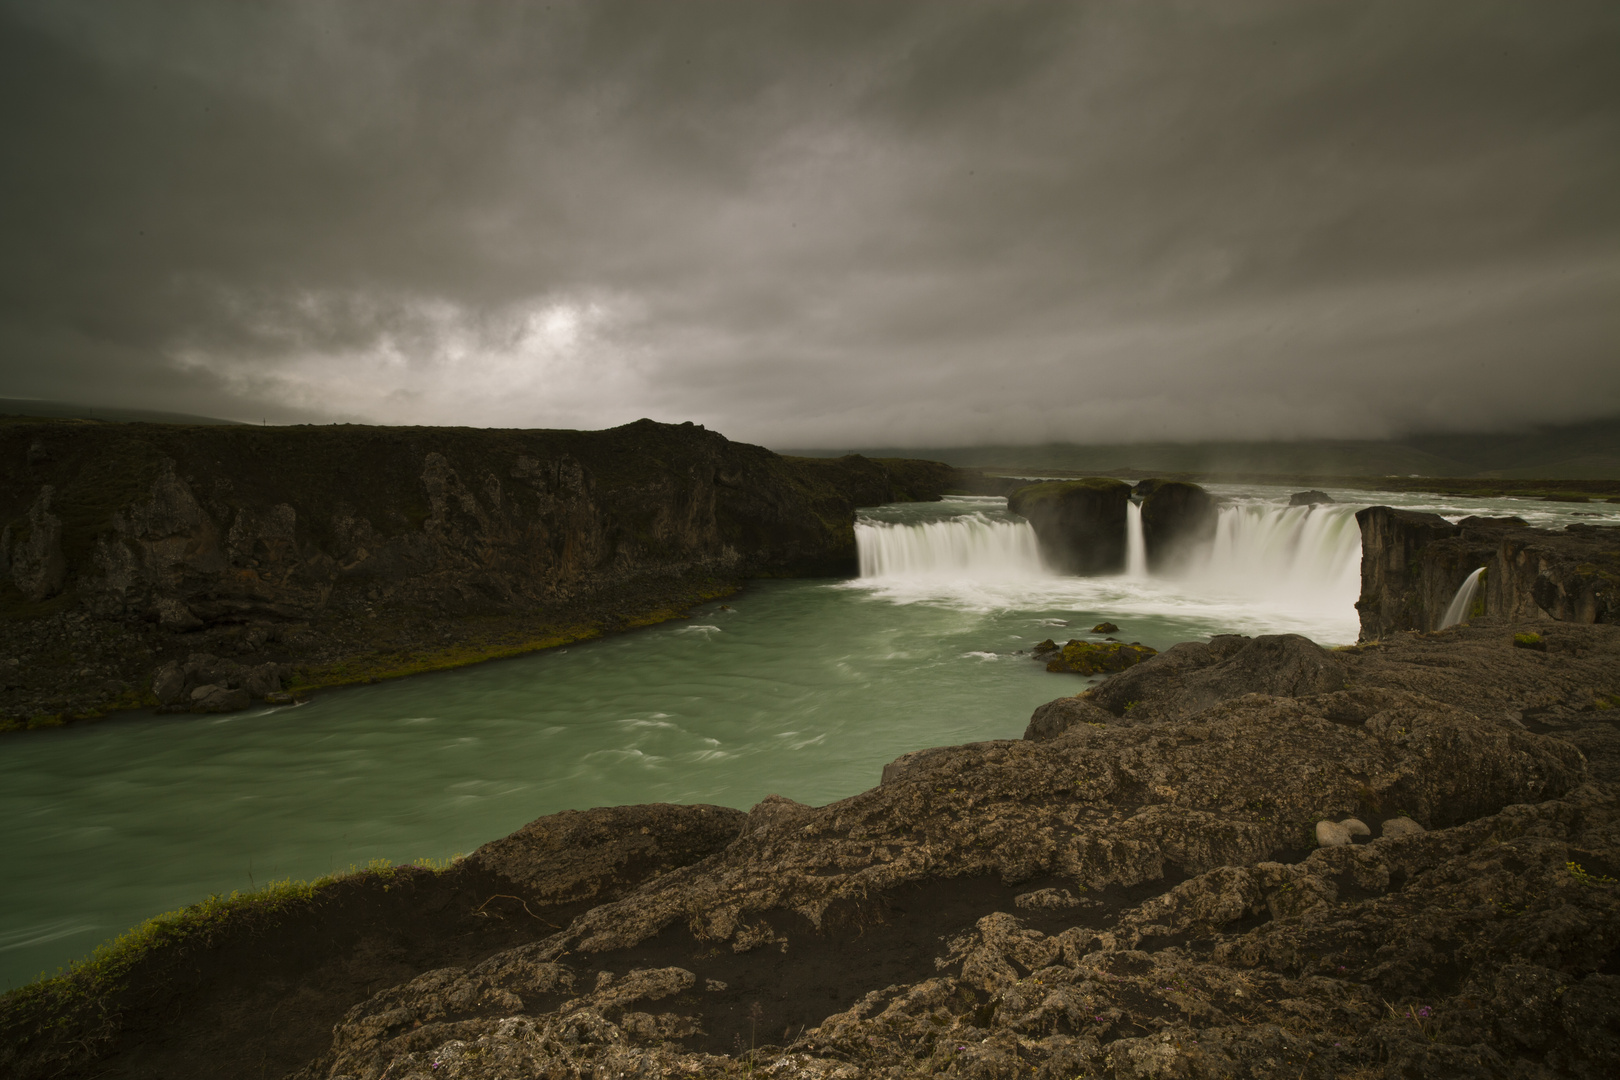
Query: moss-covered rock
column 1079, row 524
column 1098, row 657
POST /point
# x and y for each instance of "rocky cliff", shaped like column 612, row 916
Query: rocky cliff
column 1245, row 857
column 1178, row 519
column 1413, row 563
column 1079, row 524
column 382, row 550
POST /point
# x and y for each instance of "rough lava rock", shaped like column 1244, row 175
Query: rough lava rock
column 1191, row 676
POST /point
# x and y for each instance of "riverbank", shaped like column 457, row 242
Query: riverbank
column 1145, row 889
column 328, row 556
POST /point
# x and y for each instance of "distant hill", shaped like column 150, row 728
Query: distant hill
column 1589, row 451
column 67, row 410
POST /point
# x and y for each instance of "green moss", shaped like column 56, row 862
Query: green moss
column 1099, row 657
column 1053, row 490
column 54, row 1006
column 1529, row 641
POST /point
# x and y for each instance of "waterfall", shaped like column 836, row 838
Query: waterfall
column 1304, row 557
column 969, row 545
column 1135, row 546
column 1457, row 611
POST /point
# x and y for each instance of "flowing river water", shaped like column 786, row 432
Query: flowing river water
column 798, row 688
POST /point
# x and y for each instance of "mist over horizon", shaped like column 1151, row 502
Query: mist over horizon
column 803, row 225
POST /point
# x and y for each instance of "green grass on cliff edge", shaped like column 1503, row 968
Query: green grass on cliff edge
column 45, row 1008
column 1052, row 490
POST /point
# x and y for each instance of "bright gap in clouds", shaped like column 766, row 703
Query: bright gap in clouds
column 545, row 361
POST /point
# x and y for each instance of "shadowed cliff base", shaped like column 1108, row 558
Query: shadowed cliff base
column 272, row 561
column 1387, row 860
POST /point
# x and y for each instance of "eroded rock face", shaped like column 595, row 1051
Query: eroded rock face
column 1178, row 519
column 37, row 565
column 1079, row 524
column 1413, row 563
column 388, row 548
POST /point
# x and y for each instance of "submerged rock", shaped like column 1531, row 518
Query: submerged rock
column 1105, row 628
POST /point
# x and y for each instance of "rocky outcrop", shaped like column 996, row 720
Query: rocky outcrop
column 1193, row 675
column 1079, row 524
column 594, row 854
column 1571, row 576
column 38, row 567
column 1310, row 498
column 340, row 546
column 1413, row 564
column 208, row 683
column 1090, row 657
column 1178, row 519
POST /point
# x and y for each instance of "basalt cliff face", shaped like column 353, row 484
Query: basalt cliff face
column 1413, row 564
column 1079, row 524
column 126, row 545
column 1240, row 858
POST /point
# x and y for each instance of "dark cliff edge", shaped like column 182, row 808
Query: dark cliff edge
column 1413, row 563
column 293, row 558
column 1242, row 857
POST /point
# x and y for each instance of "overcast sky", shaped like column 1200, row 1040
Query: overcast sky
column 818, row 224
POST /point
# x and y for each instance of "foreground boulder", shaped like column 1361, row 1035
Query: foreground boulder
column 1079, row 524
column 1192, row 676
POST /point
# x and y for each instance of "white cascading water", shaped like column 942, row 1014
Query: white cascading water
column 1304, row 557
column 1457, row 610
column 971, row 545
column 1135, row 545
column 1269, row 569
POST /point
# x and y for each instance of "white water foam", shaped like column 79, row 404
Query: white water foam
column 1457, row 610
column 972, row 545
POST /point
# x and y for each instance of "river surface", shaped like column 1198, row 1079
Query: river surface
column 799, row 688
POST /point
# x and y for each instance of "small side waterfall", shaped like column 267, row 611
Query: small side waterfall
column 1135, row 546
column 1457, row 611
column 970, row 545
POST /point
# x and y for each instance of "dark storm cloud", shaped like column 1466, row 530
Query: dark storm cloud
column 819, row 223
